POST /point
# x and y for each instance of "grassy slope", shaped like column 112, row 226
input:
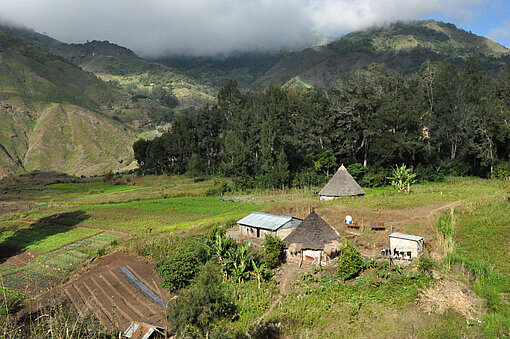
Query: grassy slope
column 55, row 116
column 318, row 307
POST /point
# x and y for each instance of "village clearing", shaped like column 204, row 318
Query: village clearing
column 63, row 238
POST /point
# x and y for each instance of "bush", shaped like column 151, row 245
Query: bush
column 273, row 251
column 196, row 310
column 350, row 262
column 426, row 264
column 501, row 170
column 178, row 268
column 219, row 187
column 375, row 178
column 430, row 173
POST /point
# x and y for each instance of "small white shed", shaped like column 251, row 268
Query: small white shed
column 406, row 243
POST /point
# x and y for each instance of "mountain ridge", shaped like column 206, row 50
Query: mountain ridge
column 62, row 86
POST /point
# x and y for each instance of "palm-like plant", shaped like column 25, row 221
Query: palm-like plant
column 258, row 271
column 402, row 178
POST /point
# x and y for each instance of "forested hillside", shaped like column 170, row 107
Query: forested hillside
column 402, row 46
column 444, row 119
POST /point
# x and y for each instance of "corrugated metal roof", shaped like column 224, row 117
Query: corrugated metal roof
column 269, row 221
column 405, row 236
column 141, row 330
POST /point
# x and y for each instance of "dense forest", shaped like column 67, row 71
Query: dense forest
column 441, row 120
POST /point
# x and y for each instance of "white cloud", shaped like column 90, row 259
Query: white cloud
column 501, row 33
column 208, row 27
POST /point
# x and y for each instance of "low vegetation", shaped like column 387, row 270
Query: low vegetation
column 248, row 289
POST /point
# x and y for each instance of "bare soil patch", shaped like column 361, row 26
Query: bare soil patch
column 105, row 291
column 454, row 295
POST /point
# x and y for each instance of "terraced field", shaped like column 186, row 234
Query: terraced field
column 106, row 291
column 33, row 274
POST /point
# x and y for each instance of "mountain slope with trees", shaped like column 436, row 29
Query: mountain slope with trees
column 444, row 119
column 400, row 46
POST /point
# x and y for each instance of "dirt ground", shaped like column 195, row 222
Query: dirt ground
column 455, row 295
column 101, row 288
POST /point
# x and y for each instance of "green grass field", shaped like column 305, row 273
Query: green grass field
column 318, row 307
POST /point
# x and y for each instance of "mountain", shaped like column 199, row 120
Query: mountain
column 401, row 46
column 78, row 107
column 55, row 116
column 122, row 67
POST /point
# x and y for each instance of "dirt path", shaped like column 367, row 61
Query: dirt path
column 430, row 213
column 289, row 271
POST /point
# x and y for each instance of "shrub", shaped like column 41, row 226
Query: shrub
column 350, row 262
column 108, row 176
column 178, row 268
column 426, row 264
column 430, row 173
column 273, row 251
column 502, row 170
column 196, row 310
column 219, row 187
column 374, row 178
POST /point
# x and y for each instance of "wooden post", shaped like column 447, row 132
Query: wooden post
column 301, row 260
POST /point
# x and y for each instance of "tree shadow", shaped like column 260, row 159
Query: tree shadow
column 18, row 242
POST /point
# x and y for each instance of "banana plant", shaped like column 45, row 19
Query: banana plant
column 258, row 271
column 402, row 178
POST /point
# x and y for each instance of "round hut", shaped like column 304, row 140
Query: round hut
column 342, row 184
column 313, row 241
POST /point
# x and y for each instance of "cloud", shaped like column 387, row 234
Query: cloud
column 501, row 33
column 211, row 27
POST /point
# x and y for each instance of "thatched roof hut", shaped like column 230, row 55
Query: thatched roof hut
column 341, row 184
column 312, row 240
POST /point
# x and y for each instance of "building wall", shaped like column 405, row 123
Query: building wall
column 283, row 233
column 311, row 257
column 406, row 245
column 249, row 231
column 325, row 197
column 252, row 232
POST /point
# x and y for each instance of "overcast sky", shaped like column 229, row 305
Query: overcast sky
column 210, row 27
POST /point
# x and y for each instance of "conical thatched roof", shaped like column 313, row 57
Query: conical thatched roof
column 342, row 184
column 313, row 234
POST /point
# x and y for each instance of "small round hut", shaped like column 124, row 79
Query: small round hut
column 342, row 184
column 313, row 241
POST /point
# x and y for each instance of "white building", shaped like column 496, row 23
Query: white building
column 406, row 243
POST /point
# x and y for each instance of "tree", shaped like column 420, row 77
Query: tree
column 281, row 170
column 326, row 161
column 273, row 251
column 350, row 262
column 196, row 310
column 178, row 268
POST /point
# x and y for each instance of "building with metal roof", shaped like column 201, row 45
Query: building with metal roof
column 258, row 224
column 409, row 245
column 141, row 330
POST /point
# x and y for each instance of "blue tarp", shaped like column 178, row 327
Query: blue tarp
column 142, row 287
